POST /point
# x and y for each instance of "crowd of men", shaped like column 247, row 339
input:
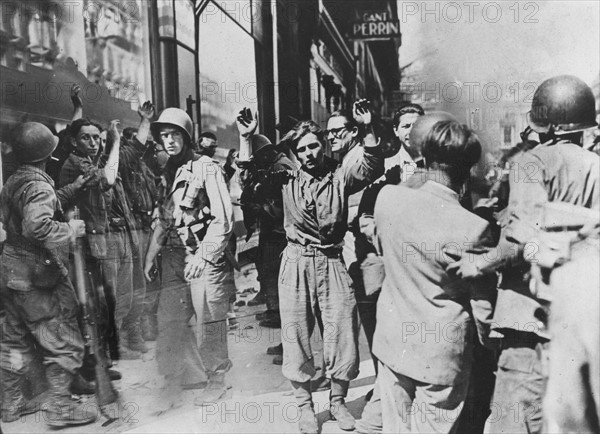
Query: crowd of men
column 477, row 316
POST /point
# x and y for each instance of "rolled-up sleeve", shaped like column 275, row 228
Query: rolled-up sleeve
column 220, row 228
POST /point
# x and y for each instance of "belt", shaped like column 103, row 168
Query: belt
column 317, row 250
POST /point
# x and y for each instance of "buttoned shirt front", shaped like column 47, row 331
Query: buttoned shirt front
column 316, row 207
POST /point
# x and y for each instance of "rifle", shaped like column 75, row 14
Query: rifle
column 105, row 393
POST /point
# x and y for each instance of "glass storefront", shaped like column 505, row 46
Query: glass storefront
column 226, row 56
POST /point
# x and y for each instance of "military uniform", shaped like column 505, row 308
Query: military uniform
column 202, row 227
column 558, row 171
column 35, row 290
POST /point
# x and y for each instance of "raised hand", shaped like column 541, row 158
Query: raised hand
column 114, row 130
column 246, row 123
column 361, row 112
column 76, row 95
column 146, row 111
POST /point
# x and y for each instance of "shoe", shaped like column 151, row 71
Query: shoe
column 257, row 300
column 114, row 375
column 337, row 405
column 14, row 404
column 210, row 395
column 270, row 323
column 320, row 384
column 308, row 420
column 81, row 386
column 278, row 360
column 149, row 325
column 276, row 350
column 61, row 410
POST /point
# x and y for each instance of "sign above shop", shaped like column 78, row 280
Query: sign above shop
column 375, row 25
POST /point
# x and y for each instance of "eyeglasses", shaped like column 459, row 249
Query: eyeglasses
column 337, row 132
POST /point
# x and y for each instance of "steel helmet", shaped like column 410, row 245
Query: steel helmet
column 259, row 142
column 423, row 124
column 175, row 117
column 562, row 104
column 33, row 142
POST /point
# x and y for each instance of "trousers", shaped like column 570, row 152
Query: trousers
column 411, row 406
column 313, row 285
column 50, row 316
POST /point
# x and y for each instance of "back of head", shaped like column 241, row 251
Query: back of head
column 300, row 130
column 32, row 142
column 424, row 124
column 452, row 147
column 562, row 105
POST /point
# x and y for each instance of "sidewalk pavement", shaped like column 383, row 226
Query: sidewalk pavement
column 266, row 413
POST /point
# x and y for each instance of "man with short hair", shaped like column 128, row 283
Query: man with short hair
column 314, row 285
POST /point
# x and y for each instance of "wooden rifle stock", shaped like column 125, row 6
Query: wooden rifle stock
column 105, row 393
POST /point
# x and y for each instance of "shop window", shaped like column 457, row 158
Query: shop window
column 226, row 56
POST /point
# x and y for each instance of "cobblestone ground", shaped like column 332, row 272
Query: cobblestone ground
column 258, row 398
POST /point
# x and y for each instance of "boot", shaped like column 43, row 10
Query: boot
column 337, row 405
column 60, row 409
column 14, row 404
column 131, row 337
column 308, row 420
column 149, row 327
column 81, row 386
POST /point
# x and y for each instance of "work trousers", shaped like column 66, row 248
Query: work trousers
column 50, row 316
column 210, row 297
column 177, row 351
column 117, row 269
column 410, row 406
column 519, row 389
column 314, row 284
column 138, row 279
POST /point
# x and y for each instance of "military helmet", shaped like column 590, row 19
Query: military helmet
column 423, row 125
column 562, row 104
column 259, row 142
column 175, row 117
column 33, row 142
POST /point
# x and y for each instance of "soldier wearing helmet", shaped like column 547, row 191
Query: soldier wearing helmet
column 262, row 204
column 557, row 170
column 195, row 223
column 35, row 290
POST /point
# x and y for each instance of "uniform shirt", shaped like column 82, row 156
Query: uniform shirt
column 29, row 208
column 556, row 172
column 213, row 210
column 316, row 208
column 424, row 329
